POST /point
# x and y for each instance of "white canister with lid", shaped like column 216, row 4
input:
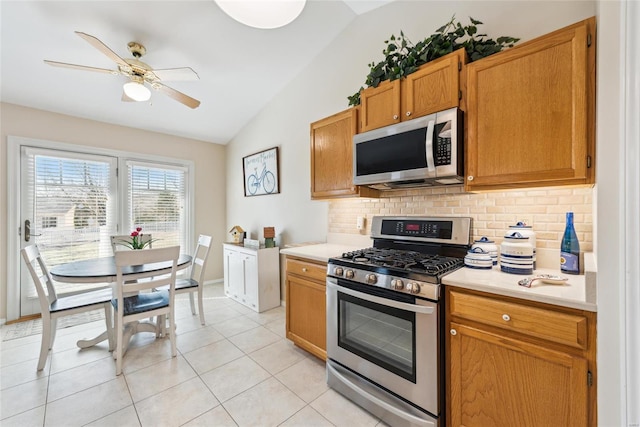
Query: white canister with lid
column 516, row 254
column 488, row 246
column 527, row 231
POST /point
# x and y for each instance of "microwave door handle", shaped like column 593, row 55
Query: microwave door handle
column 431, row 164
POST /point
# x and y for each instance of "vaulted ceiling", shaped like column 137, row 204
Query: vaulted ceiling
column 240, row 68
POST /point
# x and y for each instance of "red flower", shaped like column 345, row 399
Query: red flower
column 134, row 234
column 138, row 229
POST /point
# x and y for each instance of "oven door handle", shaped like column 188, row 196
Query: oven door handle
column 420, row 309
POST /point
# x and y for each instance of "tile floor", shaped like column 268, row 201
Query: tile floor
column 237, row 370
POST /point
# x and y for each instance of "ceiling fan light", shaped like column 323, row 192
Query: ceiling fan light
column 265, row 14
column 137, row 91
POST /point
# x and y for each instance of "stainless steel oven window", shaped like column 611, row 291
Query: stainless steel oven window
column 380, row 334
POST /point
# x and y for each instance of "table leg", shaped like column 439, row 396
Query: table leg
column 91, row 342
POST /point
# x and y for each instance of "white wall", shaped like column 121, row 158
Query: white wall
column 209, row 163
column 340, row 70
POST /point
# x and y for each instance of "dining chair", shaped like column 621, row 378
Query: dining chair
column 141, row 299
column 195, row 282
column 53, row 307
column 117, row 241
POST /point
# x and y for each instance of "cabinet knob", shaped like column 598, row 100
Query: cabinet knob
column 304, row 269
column 408, row 113
column 453, row 332
column 470, row 178
column 506, row 317
column 395, row 117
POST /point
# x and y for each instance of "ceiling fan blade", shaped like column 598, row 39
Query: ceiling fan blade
column 178, row 96
column 80, row 67
column 103, row 48
column 175, row 74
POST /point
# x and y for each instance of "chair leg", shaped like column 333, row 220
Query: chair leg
column 54, row 329
column 193, row 306
column 201, row 304
column 119, row 343
column 172, row 333
column 46, row 341
column 108, row 319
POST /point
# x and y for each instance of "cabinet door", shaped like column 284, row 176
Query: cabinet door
column 498, row 381
column 435, row 87
column 332, row 157
column 306, row 315
column 380, row 106
column 531, row 113
column 250, row 272
column 233, row 274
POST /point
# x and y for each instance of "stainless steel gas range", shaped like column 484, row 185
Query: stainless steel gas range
column 385, row 345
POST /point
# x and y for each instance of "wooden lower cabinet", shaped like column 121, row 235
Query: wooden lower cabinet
column 306, row 305
column 503, row 371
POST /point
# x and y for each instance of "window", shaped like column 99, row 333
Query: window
column 49, row 222
column 72, row 199
column 156, row 202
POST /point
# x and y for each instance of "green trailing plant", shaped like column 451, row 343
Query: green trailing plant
column 402, row 57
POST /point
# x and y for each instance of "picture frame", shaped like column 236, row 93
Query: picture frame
column 260, row 173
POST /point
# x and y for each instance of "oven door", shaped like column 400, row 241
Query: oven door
column 390, row 339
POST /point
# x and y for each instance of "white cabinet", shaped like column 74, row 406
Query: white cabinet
column 252, row 276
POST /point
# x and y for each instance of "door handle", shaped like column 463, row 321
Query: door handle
column 27, row 231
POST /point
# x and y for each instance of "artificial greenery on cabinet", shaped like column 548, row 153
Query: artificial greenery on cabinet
column 401, row 57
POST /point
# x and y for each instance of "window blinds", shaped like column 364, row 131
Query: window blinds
column 156, row 202
column 69, row 199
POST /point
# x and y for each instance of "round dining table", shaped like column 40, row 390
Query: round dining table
column 103, row 270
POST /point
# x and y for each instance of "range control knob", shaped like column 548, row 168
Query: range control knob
column 397, row 284
column 413, row 287
column 349, row 274
column 339, row 271
column 372, row 279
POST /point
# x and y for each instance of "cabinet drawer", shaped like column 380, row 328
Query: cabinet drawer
column 563, row 328
column 307, row 269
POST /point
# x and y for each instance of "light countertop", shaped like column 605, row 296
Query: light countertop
column 572, row 293
column 578, row 292
column 319, row 252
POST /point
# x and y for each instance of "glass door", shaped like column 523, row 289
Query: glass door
column 67, row 208
column 383, row 335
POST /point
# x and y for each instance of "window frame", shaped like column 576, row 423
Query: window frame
column 14, row 147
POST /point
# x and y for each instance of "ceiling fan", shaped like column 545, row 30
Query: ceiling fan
column 138, row 73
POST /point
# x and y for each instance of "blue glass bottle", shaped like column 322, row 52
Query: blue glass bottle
column 570, row 248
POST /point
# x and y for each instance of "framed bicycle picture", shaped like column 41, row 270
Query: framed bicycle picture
column 260, row 171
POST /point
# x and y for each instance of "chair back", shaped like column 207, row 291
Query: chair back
column 127, row 261
column 118, row 242
column 41, row 277
column 199, row 261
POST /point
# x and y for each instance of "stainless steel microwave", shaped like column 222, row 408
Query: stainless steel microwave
column 427, row 151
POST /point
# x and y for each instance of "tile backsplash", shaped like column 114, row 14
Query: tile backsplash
column 492, row 212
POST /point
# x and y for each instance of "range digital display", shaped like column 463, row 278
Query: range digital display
column 428, row 229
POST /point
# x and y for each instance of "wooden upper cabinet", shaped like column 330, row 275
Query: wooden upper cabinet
column 436, row 86
column 332, row 157
column 531, row 113
column 380, row 106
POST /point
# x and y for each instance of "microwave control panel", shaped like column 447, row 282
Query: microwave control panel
column 442, row 146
